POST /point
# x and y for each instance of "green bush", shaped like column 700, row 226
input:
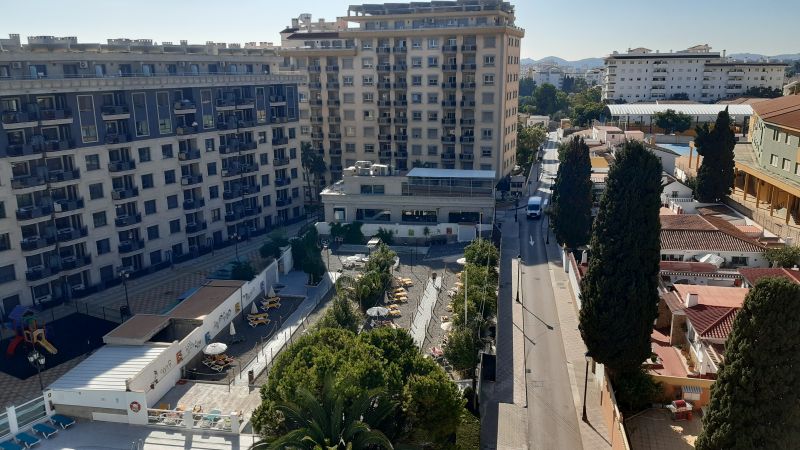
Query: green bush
column 386, row 236
column 636, row 390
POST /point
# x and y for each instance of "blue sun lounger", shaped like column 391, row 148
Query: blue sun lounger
column 27, row 440
column 45, row 430
column 62, row 421
column 8, row 445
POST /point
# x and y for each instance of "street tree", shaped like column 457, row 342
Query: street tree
column 716, row 173
column 529, row 139
column 571, row 208
column 755, row 401
column 788, row 256
column 620, row 289
column 672, row 122
column 314, row 168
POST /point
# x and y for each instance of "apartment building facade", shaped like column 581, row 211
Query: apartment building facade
column 123, row 157
column 697, row 74
column 423, row 84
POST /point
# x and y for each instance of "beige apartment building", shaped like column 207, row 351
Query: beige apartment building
column 422, row 84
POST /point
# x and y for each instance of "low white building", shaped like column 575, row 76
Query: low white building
column 537, row 120
column 690, row 237
column 444, row 201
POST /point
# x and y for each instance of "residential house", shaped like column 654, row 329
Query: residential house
column 692, row 237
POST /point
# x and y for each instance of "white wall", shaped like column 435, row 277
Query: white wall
column 120, row 400
column 406, row 231
column 754, row 259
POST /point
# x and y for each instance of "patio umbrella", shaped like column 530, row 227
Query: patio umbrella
column 461, row 261
column 446, row 326
column 232, row 330
column 253, row 308
column 377, row 311
column 271, row 292
column 215, row 348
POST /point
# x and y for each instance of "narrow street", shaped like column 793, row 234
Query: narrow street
column 552, row 419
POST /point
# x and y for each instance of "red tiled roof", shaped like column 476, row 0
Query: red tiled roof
column 753, row 274
column 717, row 296
column 711, row 321
column 781, row 111
column 709, row 233
column 686, row 222
column 687, row 266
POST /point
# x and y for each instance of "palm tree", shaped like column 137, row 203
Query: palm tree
column 328, row 423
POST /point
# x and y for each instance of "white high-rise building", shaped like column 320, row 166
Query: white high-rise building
column 695, row 74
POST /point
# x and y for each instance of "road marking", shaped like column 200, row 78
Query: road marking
column 531, row 241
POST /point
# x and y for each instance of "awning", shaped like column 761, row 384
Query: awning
column 691, row 389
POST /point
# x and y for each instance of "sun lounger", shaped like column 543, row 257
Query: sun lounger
column 211, row 418
column 256, row 322
column 62, row 420
column 394, row 313
column 10, row 446
column 27, row 440
column 45, row 430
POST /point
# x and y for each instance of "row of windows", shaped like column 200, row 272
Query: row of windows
column 429, row 43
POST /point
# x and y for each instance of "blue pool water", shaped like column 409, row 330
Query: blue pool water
column 681, row 149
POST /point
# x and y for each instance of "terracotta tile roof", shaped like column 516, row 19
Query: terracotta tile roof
column 718, row 296
column 706, row 233
column 753, row 274
column 711, row 322
column 687, row 266
column 781, row 111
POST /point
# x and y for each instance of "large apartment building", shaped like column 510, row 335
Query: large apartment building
column 641, row 75
column 126, row 156
column 422, row 84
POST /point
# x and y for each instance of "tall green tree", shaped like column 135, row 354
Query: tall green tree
column 314, row 168
column 548, row 99
column 755, row 402
column 620, row 289
column 672, row 121
column 529, row 139
column 572, row 194
column 715, row 175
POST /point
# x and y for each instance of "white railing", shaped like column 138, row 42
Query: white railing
column 212, row 420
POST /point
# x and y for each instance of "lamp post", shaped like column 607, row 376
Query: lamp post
column 236, row 245
column 125, row 275
column 37, row 360
column 585, row 386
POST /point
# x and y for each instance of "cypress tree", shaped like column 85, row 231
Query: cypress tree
column 619, row 292
column 715, row 175
column 572, row 194
column 755, row 402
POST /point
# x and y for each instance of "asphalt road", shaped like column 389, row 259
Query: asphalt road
column 552, row 419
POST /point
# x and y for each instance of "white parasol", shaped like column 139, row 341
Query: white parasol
column 215, row 348
column 446, row 326
column 253, row 308
column 377, row 311
column 271, row 292
column 232, row 330
column 461, row 261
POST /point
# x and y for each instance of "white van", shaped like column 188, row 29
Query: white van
column 534, row 210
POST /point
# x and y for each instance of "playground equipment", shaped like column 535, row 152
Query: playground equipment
column 27, row 328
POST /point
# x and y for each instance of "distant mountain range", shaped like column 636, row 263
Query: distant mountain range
column 588, row 63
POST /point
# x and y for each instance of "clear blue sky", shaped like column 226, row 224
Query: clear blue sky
column 570, row 29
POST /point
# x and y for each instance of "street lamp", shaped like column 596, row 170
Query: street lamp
column 37, row 360
column 125, row 275
column 328, row 254
column 585, row 386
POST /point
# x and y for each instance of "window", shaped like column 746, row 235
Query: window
column 89, row 133
column 99, row 219
column 416, row 149
column 152, row 232
column 92, row 162
column 349, row 114
column 486, row 134
column 147, row 181
column 369, row 148
column 433, row 42
column 369, row 132
column 216, row 216
column 773, row 160
column 433, row 61
column 369, row 114
column 172, row 202
column 433, row 150
column 266, row 201
column 366, row 44
column 433, row 99
column 213, row 192
column 487, row 116
column 174, row 226
column 416, row 43
column 210, row 145
column 149, row 207
column 349, row 97
column 416, row 133
column 163, row 104
column 372, row 189
column 144, row 154
column 433, row 116
column 489, row 42
column 739, row 260
column 486, row 152
column 347, row 81
column 212, row 167
column 265, row 180
column 350, row 147
column 103, row 246
column 7, row 274
column 787, row 165
column 350, row 131
column 433, row 80
column 416, row 80
column 96, row 191
column 140, row 114
column 488, row 60
column 166, row 151
column 155, row 257
column 294, row 173
column 347, row 63
column 416, row 115
column 433, row 133
column 416, row 97
column 416, row 62
column 488, row 79
column 487, row 98
column 367, row 80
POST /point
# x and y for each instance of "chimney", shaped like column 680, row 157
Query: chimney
column 692, row 300
column 584, row 258
column 724, row 52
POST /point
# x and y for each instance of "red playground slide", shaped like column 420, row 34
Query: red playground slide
column 12, row 346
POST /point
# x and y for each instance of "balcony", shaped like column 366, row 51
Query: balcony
column 399, row 67
column 70, row 234
column 13, row 120
column 401, row 120
column 27, row 181
column 401, row 154
column 125, row 220
column 189, row 155
column 314, row 68
column 335, row 136
column 280, row 140
column 121, row 166
column 467, row 139
column 56, row 176
column 283, row 202
column 184, row 107
column 401, row 137
column 124, row 193
column 34, row 212
column 332, row 68
column 196, row 227
column 24, row 150
column 317, row 136
column 116, row 138
column 449, row 48
column 245, row 103
column 466, row 157
column 66, row 205
column 401, row 103
column 449, row 67
column 233, row 216
column 332, row 85
column 333, row 102
column 448, row 157
column 225, row 104
column 239, row 169
column 32, row 243
column 282, row 182
column 449, row 121
column 194, row 203
column 74, row 262
column 384, row 103
column 234, row 146
column 385, row 137
column 465, row 122
column 449, row 103
column 315, row 85
column 39, row 272
column 189, row 180
column 334, row 119
column 383, row 49
column 55, row 116
column 384, row 120
column 273, row 99
column 115, row 112
column 278, row 162
column 335, row 152
column 316, row 119
column 400, row 85
column 400, row 49
column 470, row 67
column 250, row 189
column 451, row 85
column 468, row 85
column 385, row 85
column 467, row 103
column 131, row 246
column 450, row 138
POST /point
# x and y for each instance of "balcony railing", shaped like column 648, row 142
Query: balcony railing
column 277, row 99
column 280, row 140
column 189, row 180
column 121, row 166
column 467, row 139
column 448, row 156
column 449, row 103
column 112, row 112
column 55, row 114
column 39, row 272
column 194, row 203
column 131, row 245
column 64, row 205
column 74, row 262
column 124, row 193
column 125, row 220
column 469, row 66
column 33, row 212
column 449, row 121
column 32, row 243
column 27, row 181
column 448, row 138
column 194, row 227
column 116, row 138
column 277, row 162
column 189, row 155
column 18, row 117
column 449, row 48
column 401, row 137
column 282, row 202
column 468, row 85
column 282, row 182
column 450, row 85
column 70, row 234
column 234, row 170
column 184, row 107
column 55, row 176
column 449, row 67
